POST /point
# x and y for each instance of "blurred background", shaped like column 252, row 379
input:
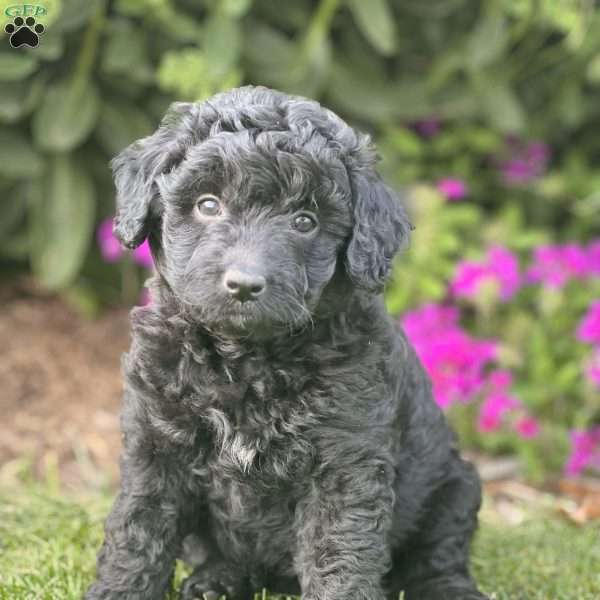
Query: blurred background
column 486, row 115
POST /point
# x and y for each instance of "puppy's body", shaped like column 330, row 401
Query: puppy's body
column 294, row 435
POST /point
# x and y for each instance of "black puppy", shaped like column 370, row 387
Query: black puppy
column 271, row 406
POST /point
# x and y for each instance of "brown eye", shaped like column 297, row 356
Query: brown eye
column 304, row 223
column 208, row 206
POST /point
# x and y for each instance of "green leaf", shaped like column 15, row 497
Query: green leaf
column 66, row 116
column 295, row 67
column 235, row 8
column 18, row 159
column 50, row 48
column 187, row 74
column 593, row 70
column 407, row 143
column 221, row 42
column 501, row 106
column 125, row 53
column 20, row 98
column 62, row 211
column 365, row 96
column 377, row 23
column 75, row 13
column 120, row 124
column 268, row 53
column 12, row 208
column 15, row 65
column 487, row 41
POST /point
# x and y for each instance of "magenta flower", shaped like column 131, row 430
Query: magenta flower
column 554, row 266
column 500, row 380
column 109, row 245
column 493, row 410
column 589, row 328
column 527, row 427
column 454, row 360
column 429, row 320
column 498, row 401
column 500, row 267
column 585, row 451
column 452, row 188
column 527, row 161
column 427, row 128
column 593, row 254
column 142, row 255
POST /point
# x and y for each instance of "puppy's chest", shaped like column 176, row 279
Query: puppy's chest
column 257, row 421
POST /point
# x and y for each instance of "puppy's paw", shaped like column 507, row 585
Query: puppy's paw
column 214, row 582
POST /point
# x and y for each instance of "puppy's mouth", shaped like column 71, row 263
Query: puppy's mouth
column 251, row 321
column 234, row 319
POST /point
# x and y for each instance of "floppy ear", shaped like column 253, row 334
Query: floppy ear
column 381, row 227
column 137, row 167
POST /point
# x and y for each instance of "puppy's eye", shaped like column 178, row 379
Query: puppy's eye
column 208, row 206
column 304, row 223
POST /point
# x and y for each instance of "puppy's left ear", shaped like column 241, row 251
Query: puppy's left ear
column 381, row 227
column 137, row 168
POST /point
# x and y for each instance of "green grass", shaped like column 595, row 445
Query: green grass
column 48, row 544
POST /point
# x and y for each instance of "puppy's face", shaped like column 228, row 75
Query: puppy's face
column 252, row 233
column 252, row 201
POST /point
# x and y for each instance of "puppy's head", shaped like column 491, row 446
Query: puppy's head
column 253, row 201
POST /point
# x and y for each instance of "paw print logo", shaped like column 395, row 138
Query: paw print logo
column 24, row 33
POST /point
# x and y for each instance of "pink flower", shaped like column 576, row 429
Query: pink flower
column 454, row 360
column 554, row 266
column 589, row 328
column 527, row 427
column 429, row 320
column 109, row 245
column 500, row 267
column 500, row 380
column 527, row 161
column 493, row 410
column 498, row 401
column 593, row 368
column 142, row 255
column 452, row 188
column 585, row 451
column 593, row 252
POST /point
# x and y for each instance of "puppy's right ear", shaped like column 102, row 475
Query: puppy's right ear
column 137, row 167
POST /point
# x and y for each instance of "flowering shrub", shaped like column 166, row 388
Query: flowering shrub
column 500, row 269
column 505, row 337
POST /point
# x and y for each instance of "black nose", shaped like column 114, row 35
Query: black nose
column 243, row 284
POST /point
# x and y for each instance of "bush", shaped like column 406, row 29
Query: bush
column 490, row 107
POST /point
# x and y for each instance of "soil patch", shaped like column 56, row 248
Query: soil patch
column 60, row 387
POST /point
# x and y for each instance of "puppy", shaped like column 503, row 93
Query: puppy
column 271, row 407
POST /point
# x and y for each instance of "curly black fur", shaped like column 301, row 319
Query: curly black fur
column 294, row 435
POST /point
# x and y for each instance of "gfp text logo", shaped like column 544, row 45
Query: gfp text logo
column 25, row 10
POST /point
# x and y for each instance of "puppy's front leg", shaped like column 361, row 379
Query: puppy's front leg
column 342, row 528
column 143, row 530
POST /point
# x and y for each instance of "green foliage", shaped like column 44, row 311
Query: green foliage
column 68, row 197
